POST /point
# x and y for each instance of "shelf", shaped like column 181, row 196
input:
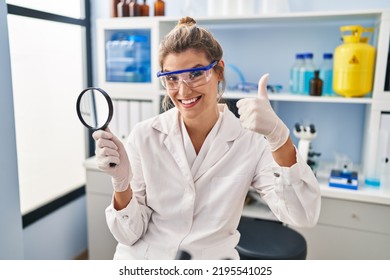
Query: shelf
column 301, row 98
column 357, row 15
column 295, row 97
column 363, row 194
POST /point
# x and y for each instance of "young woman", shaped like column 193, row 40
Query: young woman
column 181, row 181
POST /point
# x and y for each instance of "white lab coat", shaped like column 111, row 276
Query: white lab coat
column 173, row 210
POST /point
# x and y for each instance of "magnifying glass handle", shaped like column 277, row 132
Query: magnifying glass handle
column 112, row 164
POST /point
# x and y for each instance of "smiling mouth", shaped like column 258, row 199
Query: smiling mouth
column 190, row 101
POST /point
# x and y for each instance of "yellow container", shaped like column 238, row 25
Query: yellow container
column 353, row 63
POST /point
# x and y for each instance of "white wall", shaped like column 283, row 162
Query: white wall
column 11, row 245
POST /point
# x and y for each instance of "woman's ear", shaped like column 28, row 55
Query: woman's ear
column 221, row 71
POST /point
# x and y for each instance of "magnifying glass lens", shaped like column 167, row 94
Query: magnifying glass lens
column 94, row 108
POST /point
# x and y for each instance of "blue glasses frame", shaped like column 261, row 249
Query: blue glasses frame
column 204, row 68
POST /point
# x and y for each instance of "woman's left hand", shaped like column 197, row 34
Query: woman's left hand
column 256, row 114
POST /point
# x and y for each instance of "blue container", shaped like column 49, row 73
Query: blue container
column 128, row 58
column 295, row 71
column 306, row 74
column 326, row 74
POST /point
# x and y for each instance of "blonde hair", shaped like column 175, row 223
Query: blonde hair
column 188, row 35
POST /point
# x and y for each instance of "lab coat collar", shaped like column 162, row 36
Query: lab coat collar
column 168, row 124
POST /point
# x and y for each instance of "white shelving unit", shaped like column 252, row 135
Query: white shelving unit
column 360, row 229
column 289, row 97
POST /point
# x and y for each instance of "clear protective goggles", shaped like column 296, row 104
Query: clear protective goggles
column 192, row 77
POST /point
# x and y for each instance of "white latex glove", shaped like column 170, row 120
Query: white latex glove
column 109, row 149
column 256, row 114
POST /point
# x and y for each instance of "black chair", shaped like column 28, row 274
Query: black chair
column 269, row 240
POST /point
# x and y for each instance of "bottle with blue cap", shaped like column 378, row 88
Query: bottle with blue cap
column 306, row 74
column 326, row 74
column 294, row 73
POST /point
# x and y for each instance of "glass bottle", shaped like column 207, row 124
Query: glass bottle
column 316, row 84
column 294, row 73
column 114, row 8
column 144, row 9
column 123, row 10
column 159, row 8
column 306, row 74
column 134, row 8
column 326, row 74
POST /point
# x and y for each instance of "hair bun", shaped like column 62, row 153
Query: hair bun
column 186, row 21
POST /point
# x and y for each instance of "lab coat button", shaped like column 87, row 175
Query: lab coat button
column 125, row 217
column 276, row 174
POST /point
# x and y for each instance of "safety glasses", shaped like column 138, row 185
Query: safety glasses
column 192, row 77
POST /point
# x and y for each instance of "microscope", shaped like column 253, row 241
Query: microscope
column 306, row 134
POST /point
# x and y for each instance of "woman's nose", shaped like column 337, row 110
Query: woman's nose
column 184, row 89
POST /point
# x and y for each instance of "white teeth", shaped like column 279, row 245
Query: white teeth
column 189, row 101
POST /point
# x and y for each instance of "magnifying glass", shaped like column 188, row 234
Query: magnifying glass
column 94, row 109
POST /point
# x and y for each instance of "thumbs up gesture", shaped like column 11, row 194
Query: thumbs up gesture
column 256, row 114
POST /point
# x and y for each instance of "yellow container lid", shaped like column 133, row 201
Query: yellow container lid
column 355, row 35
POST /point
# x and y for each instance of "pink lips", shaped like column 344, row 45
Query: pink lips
column 188, row 103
